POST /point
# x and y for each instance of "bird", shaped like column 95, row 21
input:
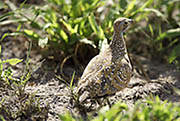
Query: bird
column 111, row 70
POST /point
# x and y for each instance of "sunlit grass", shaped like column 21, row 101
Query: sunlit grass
column 64, row 25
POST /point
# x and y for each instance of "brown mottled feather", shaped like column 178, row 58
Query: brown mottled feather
column 110, row 71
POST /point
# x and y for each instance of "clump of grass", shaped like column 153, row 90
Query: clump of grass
column 15, row 103
column 21, row 107
column 151, row 110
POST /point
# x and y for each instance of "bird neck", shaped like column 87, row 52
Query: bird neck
column 118, row 46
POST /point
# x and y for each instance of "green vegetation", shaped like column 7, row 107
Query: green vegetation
column 151, row 110
column 63, row 25
column 7, row 73
column 15, row 103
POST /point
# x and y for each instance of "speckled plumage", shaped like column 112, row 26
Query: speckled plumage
column 109, row 71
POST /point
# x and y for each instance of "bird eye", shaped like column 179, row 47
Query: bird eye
column 126, row 22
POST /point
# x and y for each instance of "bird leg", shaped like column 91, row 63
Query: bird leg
column 100, row 102
column 108, row 102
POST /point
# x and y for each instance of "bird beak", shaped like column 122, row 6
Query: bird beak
column 131, row 21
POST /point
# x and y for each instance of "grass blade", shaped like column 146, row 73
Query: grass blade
column 169, row 33
column 72, row 80
column 93, row 23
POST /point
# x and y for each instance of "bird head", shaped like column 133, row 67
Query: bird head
column 122, row 24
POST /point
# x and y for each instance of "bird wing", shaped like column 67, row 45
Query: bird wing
column 91, row 74
column 94, row 66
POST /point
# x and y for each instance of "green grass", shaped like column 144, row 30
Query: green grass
column 8, row 72
column 151, row 110
column 65, row 26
